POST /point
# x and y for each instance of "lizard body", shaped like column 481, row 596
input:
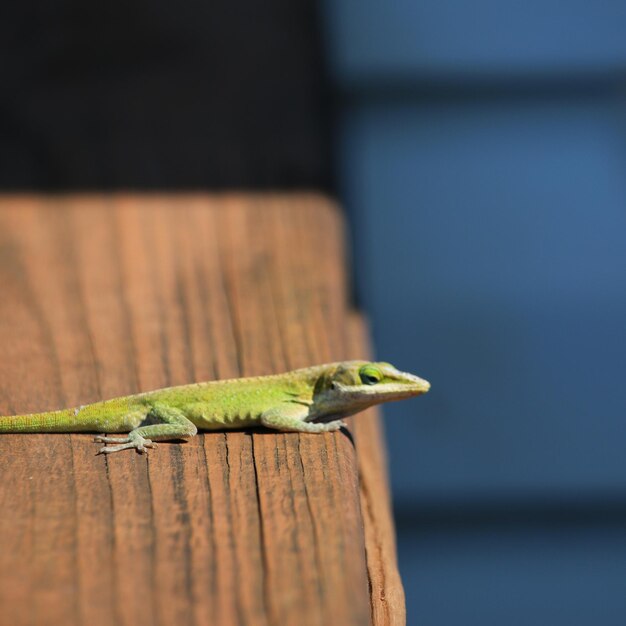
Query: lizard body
column 312, row 399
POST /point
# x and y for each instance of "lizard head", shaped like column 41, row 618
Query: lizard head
column 352, row 386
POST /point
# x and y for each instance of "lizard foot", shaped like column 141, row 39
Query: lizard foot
column 133, row 440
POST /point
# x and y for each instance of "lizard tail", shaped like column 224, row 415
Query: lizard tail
column 111, row 416
column 66, row 420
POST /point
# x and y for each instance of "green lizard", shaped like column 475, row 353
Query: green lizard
column 310, row 400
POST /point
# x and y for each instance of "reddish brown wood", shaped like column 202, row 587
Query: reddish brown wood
column 386, row 591
column 107, row 295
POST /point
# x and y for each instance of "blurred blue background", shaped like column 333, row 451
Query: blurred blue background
column 482, row 157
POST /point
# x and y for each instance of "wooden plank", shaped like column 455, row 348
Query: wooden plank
column 386, row 591
column 107, row 295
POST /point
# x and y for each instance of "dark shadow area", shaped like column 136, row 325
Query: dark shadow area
column 595, row 509
column 190, row 95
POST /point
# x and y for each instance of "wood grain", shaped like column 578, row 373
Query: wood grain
column 108, row 295
column 386, row 591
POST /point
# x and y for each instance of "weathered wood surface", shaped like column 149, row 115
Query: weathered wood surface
column 102, row 296
column 386, row 591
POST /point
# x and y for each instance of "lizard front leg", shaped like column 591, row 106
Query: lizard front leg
column 175, row 426
column 292, row 418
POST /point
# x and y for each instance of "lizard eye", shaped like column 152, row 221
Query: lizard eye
column 369, row 375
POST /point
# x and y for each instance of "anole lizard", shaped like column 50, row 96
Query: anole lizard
column 310, row 400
